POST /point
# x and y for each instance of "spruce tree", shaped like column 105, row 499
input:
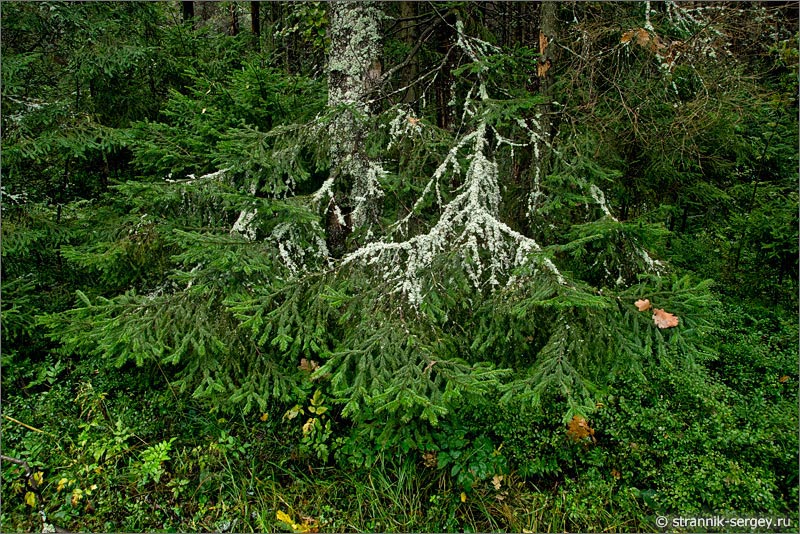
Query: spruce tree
column 425, row 256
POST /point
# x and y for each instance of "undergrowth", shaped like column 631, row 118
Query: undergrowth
column 119, row 450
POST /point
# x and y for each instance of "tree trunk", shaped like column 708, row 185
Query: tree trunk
column 255, row 22
column 353, row 69
column 444, row 81
column 548, row 31
column 188, row 12
column 409, row 35
column 234, row 18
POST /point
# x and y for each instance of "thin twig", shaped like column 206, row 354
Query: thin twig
column 29, row 427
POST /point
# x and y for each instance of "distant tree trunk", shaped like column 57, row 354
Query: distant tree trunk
column 188, row 12
column 234, row 18
column 444, row 81
column 255, row 22
column 409, row 35
column 353, row 69
column 548, row 33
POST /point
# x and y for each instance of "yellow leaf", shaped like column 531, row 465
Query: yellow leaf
column 61, row 484
column 30, row 499
column 309, row 426
column 284, row 517
column 463, row 497
column 264, row 416
column 38, row 478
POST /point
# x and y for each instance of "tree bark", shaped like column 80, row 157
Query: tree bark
column 255, row 22
column 409, row 34
column 188, row 12
column 353, row 68
column 234, row 19
column 548, row 59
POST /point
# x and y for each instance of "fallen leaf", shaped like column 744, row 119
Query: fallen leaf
column 308, row 365
column 30, row 499
column 264, row 416
column 309, row 524
column 783, row 379
column 282, row 516
column 463, row 497
column 429, row 459
column 579, row 428
column 626, row 37
column 309, row 426
column 616, row 474
column 413, row 120
column 38, row 478
column 497, row 481
column 643, row 305
column 664, row 319
column 642, row 37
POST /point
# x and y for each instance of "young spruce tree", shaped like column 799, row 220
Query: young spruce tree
column 352, row 246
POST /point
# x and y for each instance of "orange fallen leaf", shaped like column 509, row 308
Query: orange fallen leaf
column 783, row 379
column 626, row 37
column 664, row 319
column 413, row 120
column 642, row 305
column 579, row 428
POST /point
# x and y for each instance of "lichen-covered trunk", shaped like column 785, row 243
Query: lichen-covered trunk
column 548, row 60
column 548, row 32
column 353, row 70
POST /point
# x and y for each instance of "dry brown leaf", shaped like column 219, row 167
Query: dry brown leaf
column 642, row 305
column 429, row 459
column 308, row 365
column 783, row 379
column 626, row 37
column 413, row 120
column 642, row 37
column 497, row 481
column 579, row 428
column 664, row 319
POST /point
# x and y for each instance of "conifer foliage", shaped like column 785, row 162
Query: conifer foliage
column 250, row 214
